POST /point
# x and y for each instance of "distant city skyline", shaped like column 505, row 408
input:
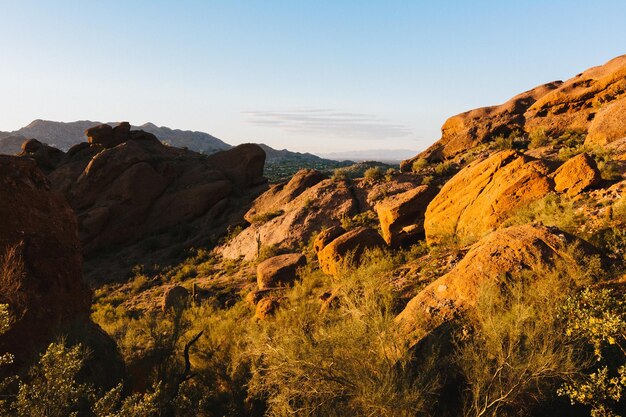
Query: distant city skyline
column 321, row 77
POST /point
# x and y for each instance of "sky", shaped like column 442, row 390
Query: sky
column 319, row 76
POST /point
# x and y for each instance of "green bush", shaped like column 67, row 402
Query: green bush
column 538, row 138
column 599, row 317
column 374, row 174
column 517, row 351
column 342, row 362
column 419, row 164
column 266, row 217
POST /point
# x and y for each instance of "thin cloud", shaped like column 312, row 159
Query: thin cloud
column 328, row 122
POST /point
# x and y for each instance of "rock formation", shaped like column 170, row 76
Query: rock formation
column 41, row 269
column 125, row 185
column 348, row 248
column 402, row 216
column 495, row 257
column 279, row 270
column 577, row 174
column 592, row 101
column 477, row 199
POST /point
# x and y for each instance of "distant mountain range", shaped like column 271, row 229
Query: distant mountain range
column 64, row 135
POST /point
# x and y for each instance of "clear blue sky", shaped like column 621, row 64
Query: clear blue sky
column 307, row 75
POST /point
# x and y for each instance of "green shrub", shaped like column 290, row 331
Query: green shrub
column 502, row 142
column 266, row 217
column 599, row 317
column 538, row 138
column 390, row 173
column 444, row 168
column 374, row 174
column 366, row 219
column 517, row 351
column 552, row 210
column 340, row 174
column 419, row 164
column 342, row 362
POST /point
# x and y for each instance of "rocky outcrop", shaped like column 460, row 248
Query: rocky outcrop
column 126, row 185
column 281, row 194
column 280, row 218
column 402, row 216
column 174, row 297
column 348, row 248
column 577, row 174
column 243, row 165
column 47, row 157
column 326, row 236
column 279, row 271
column 608, row 125
column 41, row 267
column 591, row 101
column 496, row 257
column 318, row 207
column 477, row 199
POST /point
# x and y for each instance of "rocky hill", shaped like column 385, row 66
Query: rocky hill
column 591, row 102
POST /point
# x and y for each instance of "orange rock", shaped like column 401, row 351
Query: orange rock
column 348, row 247
column 576, row 175
column 402, row 216
column 478, row 198
column 609, row 124
column 281, row 194
column 267, row 307
column 320, row 206
column 554, row 107
column 497, row 255
column 279, row 270
column 326, row 236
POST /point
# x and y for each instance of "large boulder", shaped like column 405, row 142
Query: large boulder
column 478, row 198
column 320, row 206
column 47, row 157
column 243, row 164
column 41, row 270
column 609, row 124
column 102, row 135
column 326, row 236
column 281, row 194
column 495, row 257
column 577, row 174
column 348, row 248
column 402, row 216
column 279, row 271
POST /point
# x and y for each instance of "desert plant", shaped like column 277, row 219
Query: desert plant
column 552, row 210
column 444, row 168
column 12, row 276
column 373, row 174
column 342, row 362
column 267, row 216
column 419, row 164
column 538, row 138
column 518, row 350
column 340, row 174
column 599, row 316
